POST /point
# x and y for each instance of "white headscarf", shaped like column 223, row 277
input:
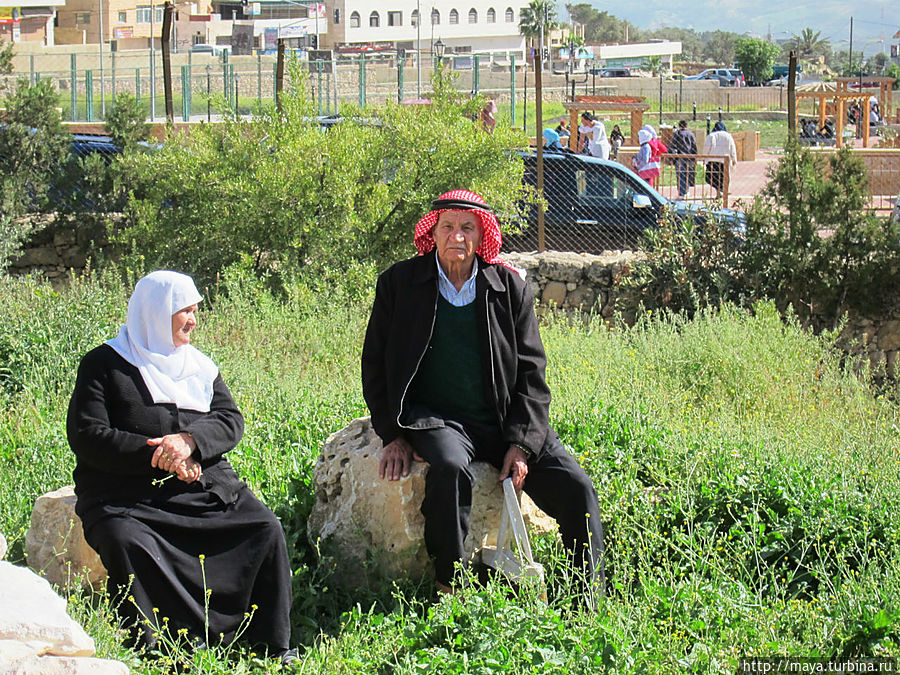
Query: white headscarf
column 650, row 130
column 181, row 375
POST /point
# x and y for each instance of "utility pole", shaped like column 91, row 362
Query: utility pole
column 850, row 64
column 539, row 137
column 102, row 94
column 168, row 10
column 152, row 62
column 418, row 50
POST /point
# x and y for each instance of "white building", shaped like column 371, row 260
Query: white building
column 466, row 27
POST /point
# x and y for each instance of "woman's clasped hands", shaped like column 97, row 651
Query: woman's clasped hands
column 174, row 454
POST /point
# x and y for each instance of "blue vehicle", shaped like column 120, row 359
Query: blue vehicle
column 594, row 205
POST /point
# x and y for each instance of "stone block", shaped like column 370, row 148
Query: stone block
column 33, row 619
column 55, row 545
column 561, row 266
column 581, row 297
column 888, row 336
column 64, row 238
column 599, row 273
column 375, row 526
column 63, row 665
column 74, row 257
column 554, row 293
column 41, row 255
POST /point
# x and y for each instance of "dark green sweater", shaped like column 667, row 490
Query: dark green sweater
column 449, row 381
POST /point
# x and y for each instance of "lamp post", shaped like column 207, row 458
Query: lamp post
column 439, row 47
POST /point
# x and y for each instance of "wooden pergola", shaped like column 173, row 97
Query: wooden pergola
column 824, row 92
column 884, row 89
column 635, row 105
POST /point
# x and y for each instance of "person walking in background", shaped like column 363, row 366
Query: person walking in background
column 657, row 147
column 684, row 143
column 643, row 162
column 595, row 132
column 489, row 116
column 721, row 143
column 616, row 141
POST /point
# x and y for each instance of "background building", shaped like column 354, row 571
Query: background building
column 29, row 21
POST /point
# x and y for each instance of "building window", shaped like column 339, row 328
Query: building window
column 414, row 17
column 395, row 18
column 83, row 18
column 510, row 15
column 491, row 15
column 354, row 20
column 473, row 16
column 454, row 17
column 374, row 20
column 143, row 14
column 123, row 17
column 435, row 17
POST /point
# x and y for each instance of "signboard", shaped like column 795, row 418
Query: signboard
column 121, row 32
column 242, row 39
column 360, row 47
column 316, row 11
column 292, row 31
column 254, row 9
column 10, row 15
column 270, row 39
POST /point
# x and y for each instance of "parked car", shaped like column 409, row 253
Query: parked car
column 595, row 205
column 727, row 77
column 212, row 50
column 611, row 72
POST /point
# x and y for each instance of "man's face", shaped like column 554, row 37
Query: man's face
column 457, row 236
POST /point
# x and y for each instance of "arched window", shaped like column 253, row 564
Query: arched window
column 354, row 20
column 414, row 17
column 435, row 17
column 473, row 16
column 454, row 17
column 510, row 15
column 491, row 15
column 374, row 20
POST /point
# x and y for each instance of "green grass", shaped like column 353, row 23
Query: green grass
column 748, row 483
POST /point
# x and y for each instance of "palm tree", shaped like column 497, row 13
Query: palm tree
column 809, row 43
column 537, row 20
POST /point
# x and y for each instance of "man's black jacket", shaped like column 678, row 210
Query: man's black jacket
column 513, row 360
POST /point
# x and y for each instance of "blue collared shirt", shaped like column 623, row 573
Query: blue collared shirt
column 464, row 295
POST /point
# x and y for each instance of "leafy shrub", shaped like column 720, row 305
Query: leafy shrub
column 288, row 195
column 813, row 244
column 688, row 267
column 126, row 122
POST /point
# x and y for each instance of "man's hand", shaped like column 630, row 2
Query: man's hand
column 171, row 451
column 515, row 465
column 395, row 459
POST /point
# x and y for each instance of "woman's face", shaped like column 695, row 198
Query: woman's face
column 183, row 322
column 457, row 236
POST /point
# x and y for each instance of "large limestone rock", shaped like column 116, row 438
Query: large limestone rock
column 373, row 525
column 55, row 545
column 33, row 619
column 63, row 665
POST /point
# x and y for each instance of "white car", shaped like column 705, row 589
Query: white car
column 212, row 50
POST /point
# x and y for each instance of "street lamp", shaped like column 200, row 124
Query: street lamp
column 439, row 48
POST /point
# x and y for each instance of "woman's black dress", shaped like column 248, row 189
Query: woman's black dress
column 167, row 545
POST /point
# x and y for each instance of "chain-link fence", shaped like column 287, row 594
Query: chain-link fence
column 89, row 80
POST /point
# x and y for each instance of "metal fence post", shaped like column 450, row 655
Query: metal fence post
column 400, row 64
column 31, row 71
column 185, row 94
column 475, row 73
column 259, row 78
column 113, row 76
column 74, row 85
column 512, row 89
column 275, row 81
column 137, row 84
column 319, row 85
column 362, row 80
column 225, row 93
column 89, row 95
column 152, row 84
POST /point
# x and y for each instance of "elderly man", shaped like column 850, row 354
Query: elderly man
column 453, row 371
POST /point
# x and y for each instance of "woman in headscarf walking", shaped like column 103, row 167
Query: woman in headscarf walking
column 721, row 143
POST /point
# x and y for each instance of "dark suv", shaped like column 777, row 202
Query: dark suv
column 594, row 205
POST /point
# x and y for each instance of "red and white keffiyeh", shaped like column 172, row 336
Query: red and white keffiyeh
column 491, row 239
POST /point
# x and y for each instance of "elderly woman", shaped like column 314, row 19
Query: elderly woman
column 189, row 550
column 453, row 372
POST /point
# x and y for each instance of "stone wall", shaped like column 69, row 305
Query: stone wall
column 54, row 252
column 575, row 282
column 582, row 283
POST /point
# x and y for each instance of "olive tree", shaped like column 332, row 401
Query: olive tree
column 755, row 58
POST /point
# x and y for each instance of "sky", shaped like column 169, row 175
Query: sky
column 873, row 20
